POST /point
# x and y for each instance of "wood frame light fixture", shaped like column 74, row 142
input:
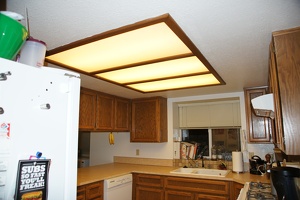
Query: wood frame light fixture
column 147, row 56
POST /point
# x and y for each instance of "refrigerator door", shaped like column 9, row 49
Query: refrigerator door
column 41, row 108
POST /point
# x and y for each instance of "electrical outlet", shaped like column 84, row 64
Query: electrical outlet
column 137, row 152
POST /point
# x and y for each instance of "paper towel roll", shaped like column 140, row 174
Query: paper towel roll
column 237, row 161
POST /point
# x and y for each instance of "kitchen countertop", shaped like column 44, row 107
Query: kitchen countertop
column 92, row 174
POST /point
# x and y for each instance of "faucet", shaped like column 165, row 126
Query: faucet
column 201, row 155
column 202, row 161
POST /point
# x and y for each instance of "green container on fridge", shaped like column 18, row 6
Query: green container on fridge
column 12, row 37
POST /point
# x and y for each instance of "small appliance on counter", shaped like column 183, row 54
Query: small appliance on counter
column 257, row 165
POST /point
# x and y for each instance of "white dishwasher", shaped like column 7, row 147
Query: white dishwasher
column 118, row 188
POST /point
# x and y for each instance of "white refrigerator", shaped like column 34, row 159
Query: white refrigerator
column 39, row 111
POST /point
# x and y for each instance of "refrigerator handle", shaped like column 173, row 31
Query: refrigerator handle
column 3, row 76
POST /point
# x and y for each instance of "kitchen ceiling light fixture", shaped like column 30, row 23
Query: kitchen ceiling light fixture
column 147, row 56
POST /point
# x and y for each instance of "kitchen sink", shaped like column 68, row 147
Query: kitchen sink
column 201, row 172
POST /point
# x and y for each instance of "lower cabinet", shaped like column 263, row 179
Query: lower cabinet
column 93, row 191
column 236, row 189
column 149, row 187
column 197, row 189
column 179, row 195
column 148, row 193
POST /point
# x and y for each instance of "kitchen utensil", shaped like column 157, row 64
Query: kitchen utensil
column 12, row 36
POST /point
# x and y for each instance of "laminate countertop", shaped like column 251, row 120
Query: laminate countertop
column 92, row 174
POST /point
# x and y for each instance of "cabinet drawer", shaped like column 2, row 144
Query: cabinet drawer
column 178, row 195
column 198, row 185
column 94, row 190
column 210, row 197
column 149, row 193
column 81, row 193
column 149, row 180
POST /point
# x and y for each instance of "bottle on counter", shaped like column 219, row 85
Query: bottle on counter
column 268, row 165
column 214, row 152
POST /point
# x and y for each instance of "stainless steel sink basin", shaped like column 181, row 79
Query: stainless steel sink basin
column 201, row 172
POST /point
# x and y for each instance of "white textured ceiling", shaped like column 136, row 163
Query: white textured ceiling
column 233, row 35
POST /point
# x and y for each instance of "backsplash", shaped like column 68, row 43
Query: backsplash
column 210, row 164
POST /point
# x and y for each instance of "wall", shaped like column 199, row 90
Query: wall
column 101, row 152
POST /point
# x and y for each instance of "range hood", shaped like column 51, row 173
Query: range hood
column 264, row 106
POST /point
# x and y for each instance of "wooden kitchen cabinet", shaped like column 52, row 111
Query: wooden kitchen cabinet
column 93, row 191
column 178, row 195
column 149, row 120
column 236, row 188
column 284, row 82
column 122, row 114
column 87, row 110
column 81, row 193
column 147, row 187
column 196, row 189
column 103, row 112
column 259, row 129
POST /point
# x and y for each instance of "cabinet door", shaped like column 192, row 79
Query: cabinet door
column 122, row 114
column 149, row 120
column 148, row 193
column 147, row 186
column 178, row 195
column 287, row 51
column 94, row 191
column 105, row 112
column 273, row 86
column 87, row 110
column 258, row 128
column 198, row 186
column 236, row 188
column 81, row 193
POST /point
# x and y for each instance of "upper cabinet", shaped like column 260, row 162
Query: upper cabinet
column 87, row 109
column 122, row 119
column 284, row 82
column 210, row 114
column 149, row 120
column 259, row 129
column 103, row 112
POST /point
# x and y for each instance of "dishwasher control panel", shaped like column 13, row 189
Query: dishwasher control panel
column 116, row 181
